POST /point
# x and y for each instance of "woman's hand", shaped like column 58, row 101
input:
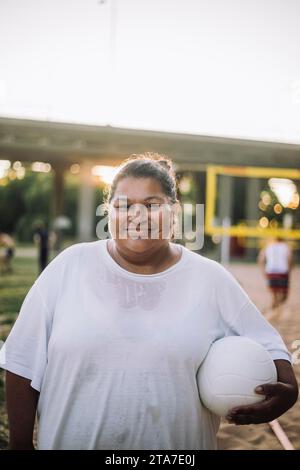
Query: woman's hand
column 279, row 397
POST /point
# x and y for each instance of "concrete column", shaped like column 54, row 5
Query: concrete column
column 85, row 228
column 58, row 202
column 254, row 187
column 225, row 196
column 58, row 189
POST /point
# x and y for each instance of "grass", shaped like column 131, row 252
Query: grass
column 13, row 289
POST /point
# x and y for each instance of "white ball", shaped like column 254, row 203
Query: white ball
column 232, row 369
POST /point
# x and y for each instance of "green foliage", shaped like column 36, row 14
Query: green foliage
column 24, row 202
column 13, row 289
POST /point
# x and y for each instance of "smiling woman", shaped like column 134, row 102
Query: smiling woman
column 141, row 216
column 110, row 337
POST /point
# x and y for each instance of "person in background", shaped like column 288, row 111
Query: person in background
column 276, row 263
column 8, row 243
column 41, row 238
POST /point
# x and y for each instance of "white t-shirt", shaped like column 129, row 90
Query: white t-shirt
column 277, row 256
column 115, row 354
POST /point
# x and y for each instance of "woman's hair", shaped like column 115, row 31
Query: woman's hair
column 147, row 165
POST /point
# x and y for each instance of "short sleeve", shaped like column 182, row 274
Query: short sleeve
column 25, row 350
column 240, row 317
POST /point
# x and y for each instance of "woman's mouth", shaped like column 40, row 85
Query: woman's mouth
column 143, row 232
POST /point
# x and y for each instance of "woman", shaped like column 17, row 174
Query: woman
column 276, row 263
column 111, row 335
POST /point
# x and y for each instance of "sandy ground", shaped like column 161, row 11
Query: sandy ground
column 287, row 321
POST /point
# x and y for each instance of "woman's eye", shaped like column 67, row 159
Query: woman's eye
column 153, row 206
column 150, row 206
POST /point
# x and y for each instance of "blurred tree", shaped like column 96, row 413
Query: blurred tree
column 25, row 201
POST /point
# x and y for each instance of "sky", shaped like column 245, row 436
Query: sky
column 211, row 67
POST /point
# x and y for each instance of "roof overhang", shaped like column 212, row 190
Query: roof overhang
column 67, row 143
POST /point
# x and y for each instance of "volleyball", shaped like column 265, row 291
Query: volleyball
column 232, row 369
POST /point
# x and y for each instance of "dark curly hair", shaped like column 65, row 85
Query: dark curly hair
column 147, row 165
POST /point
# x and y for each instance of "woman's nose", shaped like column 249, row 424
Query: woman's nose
column 133, row 215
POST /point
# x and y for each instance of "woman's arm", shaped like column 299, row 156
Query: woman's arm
column 279, row 398
column 21, row 401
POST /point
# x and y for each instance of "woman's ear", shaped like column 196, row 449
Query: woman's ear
column 175, row 220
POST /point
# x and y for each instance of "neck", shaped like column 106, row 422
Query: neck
column 146, row 262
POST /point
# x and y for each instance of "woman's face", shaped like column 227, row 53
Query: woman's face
column 140, row 214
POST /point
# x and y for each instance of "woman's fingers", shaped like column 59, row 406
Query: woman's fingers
column 246, row 419
column 269, row 390
column 258, row 413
